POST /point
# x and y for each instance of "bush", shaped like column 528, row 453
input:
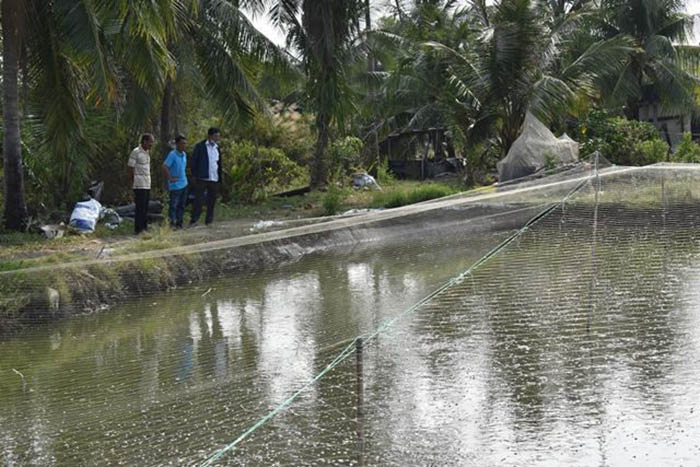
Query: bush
column 384, row 176
column 396, row 199
column 621, row 141
column 688, row 150
column 345, row 155
column 550, row 162
column 333, row 200
column 651, row 151
column 252, row 172
column 287, row 130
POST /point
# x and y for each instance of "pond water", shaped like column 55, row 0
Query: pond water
column 170, row 377
column 577, row 344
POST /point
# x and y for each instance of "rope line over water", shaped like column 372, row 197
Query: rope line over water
column 349, row 350
column 351, row 347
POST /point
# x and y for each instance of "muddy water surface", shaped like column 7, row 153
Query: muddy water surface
column 579, row 344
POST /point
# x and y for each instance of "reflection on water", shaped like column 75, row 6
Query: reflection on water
column 172, row 377
column 509, row 367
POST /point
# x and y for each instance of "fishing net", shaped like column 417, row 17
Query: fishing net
column 549, row 322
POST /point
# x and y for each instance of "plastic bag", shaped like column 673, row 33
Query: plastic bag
column 85, row 215
column 363, row 180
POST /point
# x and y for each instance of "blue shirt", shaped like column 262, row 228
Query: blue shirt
column 176, row 162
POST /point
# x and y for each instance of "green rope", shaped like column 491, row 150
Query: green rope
column 336, row 361
column 458, row 279
column 350, row 349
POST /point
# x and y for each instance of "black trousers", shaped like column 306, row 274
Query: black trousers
column 204, row 189
column 141, row 198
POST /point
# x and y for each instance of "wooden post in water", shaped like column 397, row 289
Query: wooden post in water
column 360, row 404
column 594, row 269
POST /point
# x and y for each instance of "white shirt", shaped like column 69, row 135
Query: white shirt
column 213, row 153
column 141, row 162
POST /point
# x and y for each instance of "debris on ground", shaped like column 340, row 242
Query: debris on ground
column 51, row 231
column 262, row 225
column 363, row 180
column 87, row 213
column 85, row 216
column 155, row 209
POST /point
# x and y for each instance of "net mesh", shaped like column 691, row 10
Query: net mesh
column 575, row 339
column 544, row 328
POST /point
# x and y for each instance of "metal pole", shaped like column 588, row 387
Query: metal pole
column 360, row 404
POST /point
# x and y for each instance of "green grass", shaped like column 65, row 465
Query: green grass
column 23, row 250
column 12, row 265
column 397, row 198
column 333, row 200
column 157, row 238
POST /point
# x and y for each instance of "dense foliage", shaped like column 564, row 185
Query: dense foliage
column 688, row 151
column 621, row 141
column 252, row 172
column 82, row 80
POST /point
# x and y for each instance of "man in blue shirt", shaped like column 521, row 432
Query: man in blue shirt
column 174, row 170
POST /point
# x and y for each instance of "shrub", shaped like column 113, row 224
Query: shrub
column 395, row 199
column 252, row 172
column 688, row 150
column 345, row 155
column 649, row 152
column 621, row 141
column 333, row 199
column 384, row 175
column 287, row 130
column 550, row 162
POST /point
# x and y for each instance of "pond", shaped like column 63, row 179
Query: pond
column 577, row 343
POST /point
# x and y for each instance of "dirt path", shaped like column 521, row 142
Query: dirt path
column 84, row 247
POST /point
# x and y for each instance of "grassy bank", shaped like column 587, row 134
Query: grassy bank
column 26, row 295
column 30, row 298
column 23, row 250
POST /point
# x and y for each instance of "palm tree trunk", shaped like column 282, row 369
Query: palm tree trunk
column 319, row 174
column 165, row 112
column 15, row 211
column 165, row 128
column 368, row 27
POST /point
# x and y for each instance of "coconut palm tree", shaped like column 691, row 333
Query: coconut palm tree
column 15, row 210
column 321, row 31
column 654, row 71
column 74, row 56
column 219, row 52
column 513, row 57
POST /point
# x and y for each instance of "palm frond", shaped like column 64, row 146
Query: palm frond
column 550, row 97
column 603, row 58
column 688, row 58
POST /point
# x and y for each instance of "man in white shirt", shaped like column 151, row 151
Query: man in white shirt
column 139, row 170
column 206, row 175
